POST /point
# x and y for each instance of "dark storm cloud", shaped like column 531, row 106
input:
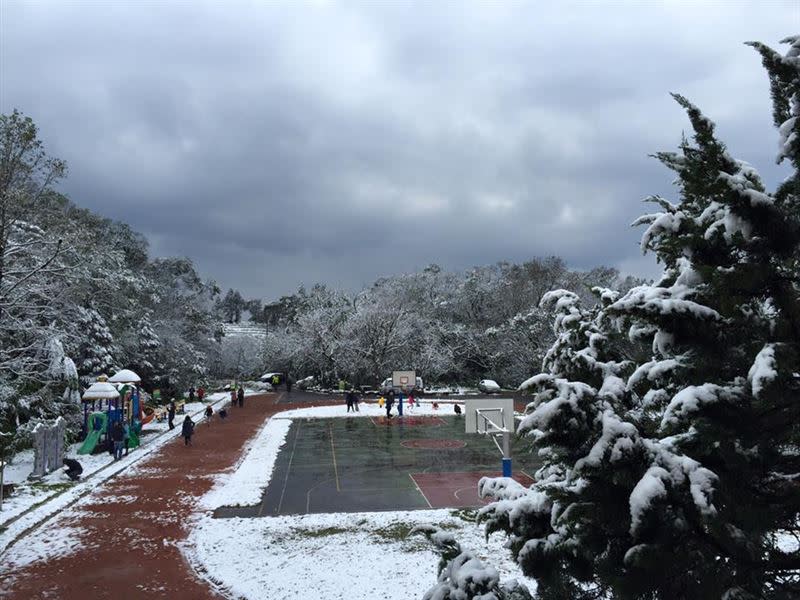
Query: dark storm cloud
column 277, row 144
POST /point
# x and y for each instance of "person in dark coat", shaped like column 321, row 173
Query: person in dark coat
column 240, row 396
column 223, row 413
column 171, row 414
column 187, row 430
column 74, row 468
column 191, row 394
column 209, row 414
column 288, row 384
column 348, row 398
column 118, row 437
column 389, row 403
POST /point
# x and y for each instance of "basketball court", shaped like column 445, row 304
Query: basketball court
column 358, row 464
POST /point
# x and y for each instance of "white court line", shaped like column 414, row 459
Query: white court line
column 419, row 489
column 288, row 468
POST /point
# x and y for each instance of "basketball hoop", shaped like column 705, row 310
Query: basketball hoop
column 493, row 417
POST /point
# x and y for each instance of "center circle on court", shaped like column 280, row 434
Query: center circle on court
column 424, row 444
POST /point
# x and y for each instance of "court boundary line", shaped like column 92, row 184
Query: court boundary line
column 288, row 470
column 419, row 489
column 333, row 452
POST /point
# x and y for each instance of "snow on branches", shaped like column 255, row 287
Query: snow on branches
column 666, row 416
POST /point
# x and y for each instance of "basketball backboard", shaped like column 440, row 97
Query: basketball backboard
column 479, row 412
column 404, row 380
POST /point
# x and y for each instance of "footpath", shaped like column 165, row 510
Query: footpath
column 123, row 540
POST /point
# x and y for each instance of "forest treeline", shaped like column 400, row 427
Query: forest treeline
column 80, row 295
column 451, row 327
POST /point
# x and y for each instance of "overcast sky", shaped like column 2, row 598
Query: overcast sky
column 279, row 144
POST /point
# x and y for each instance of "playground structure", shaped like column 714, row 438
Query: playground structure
column 111, row 403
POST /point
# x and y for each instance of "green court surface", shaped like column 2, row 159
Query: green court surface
column 367, row 464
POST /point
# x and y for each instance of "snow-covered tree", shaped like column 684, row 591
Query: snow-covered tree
column 94, row 347
column 463, row 576
column 673, row 474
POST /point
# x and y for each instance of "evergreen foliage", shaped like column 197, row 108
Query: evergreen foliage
column 79, row 296
column 668, row 416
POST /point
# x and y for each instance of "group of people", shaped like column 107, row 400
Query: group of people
column 201, row 393
column 187, row 429
column 120, row 436
column 352, row 399
column 388, row 400
column 237, row 396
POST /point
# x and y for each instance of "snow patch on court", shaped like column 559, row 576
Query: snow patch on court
column 353, row 556
column 368, row 409
column 247, row 483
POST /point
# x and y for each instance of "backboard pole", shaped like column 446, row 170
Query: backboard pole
column 506, row 454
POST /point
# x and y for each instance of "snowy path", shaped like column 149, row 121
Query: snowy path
column 122, row 540
column 25, row 511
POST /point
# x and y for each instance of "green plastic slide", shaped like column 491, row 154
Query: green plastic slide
column 97, row 422
column 133, row 435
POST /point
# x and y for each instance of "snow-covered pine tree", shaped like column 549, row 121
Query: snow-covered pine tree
column 678, row 479
column 146, row 359
column 94, row 348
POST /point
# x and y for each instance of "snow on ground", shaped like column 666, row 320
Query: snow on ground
column 357, row 556
column 46, row 546
column 337, row 555
column 246, row 484
column 55, row 491
column 368, row 409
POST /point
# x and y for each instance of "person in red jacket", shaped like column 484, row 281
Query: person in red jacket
column 201, row 393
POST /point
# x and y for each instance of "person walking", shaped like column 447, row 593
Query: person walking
column 348, row 398
column 191, row 394
column 209, row 414
column 118, row 437
column 187, row 430
column 201, row 393
column 171, row 414
column 240, row 396
column 355, row 400
column 389, row 403
column 233, row 396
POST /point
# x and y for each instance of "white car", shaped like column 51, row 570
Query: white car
column 305, row 382
column 489, row 386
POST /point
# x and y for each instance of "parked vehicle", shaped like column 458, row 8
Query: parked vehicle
column 387, row 385
column 305, row 382
column 268, row 377
column 489, row 386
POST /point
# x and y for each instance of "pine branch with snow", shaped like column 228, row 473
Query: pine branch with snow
column 671, row 464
